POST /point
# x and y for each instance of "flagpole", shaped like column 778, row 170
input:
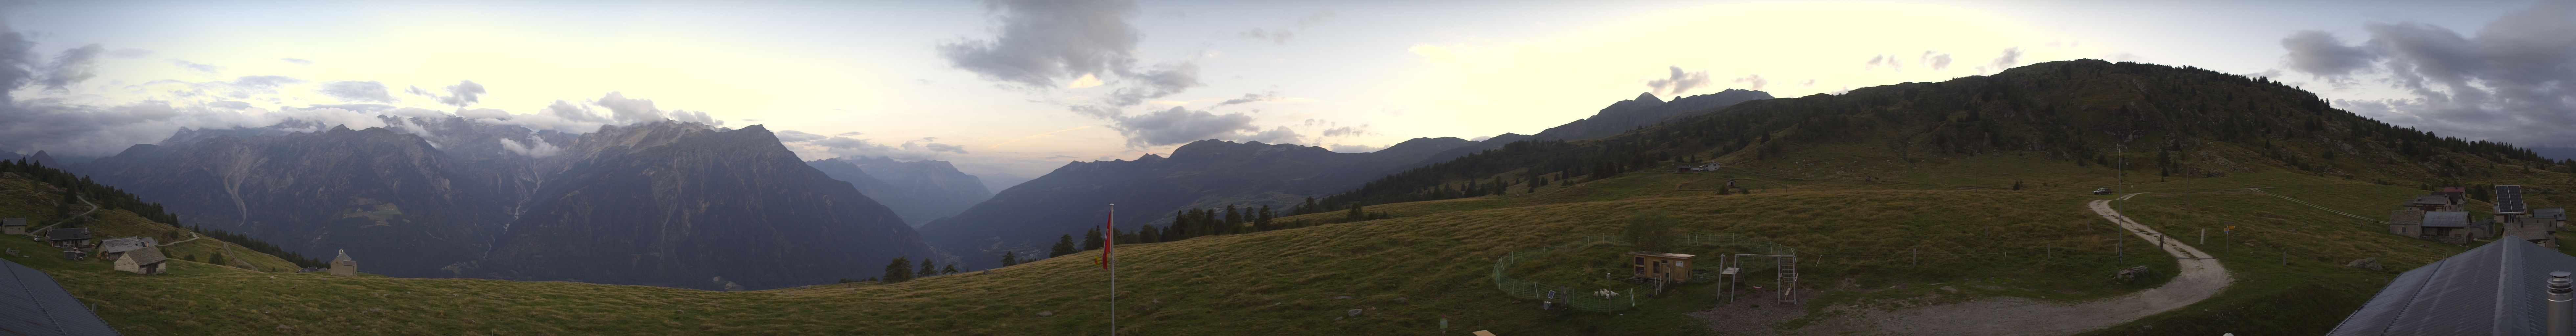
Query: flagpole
column 1113, row 268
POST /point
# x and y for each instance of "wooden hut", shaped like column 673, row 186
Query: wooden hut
column 146, row 260
column 2408, row 223
column 2434, row 202
column 1659, row 266
column 2450, row 226
column 71, row 238
column 15, row 226
column 112, row 247
column 2534, row 229
column 343, row 266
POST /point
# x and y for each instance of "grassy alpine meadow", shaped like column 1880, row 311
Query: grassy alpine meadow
column 1905, row 238
column 1403, row 275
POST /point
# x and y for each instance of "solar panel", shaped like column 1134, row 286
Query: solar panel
column 2509, row 200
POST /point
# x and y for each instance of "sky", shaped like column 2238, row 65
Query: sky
column 1022, row 87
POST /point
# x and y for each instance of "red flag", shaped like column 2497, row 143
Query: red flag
column 1107, row 240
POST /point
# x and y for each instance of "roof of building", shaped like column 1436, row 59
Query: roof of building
column 2430, row 200
column 2551, row 213
column 146, row 256
column 2446, row 219
column 13, row 222
column 2495, row 289
column 1661, row 254
column 344, row 256
column 2406, row 217
column 32, row 304
column 67, row 234
column 124, row 244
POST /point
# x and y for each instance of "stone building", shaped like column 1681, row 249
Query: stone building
column 343, row 266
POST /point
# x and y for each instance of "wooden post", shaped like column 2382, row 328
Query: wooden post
column 1918, row 256
column 2204, row 235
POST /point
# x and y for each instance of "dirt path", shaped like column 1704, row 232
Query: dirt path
column 191, row 236
column 83, row 200
column 2201, row 276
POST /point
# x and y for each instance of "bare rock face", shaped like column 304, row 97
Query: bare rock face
column 664, row 204
column 667, row 204
column 395, row 197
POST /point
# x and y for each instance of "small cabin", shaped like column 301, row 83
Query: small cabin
column 15, row 226
column 145, row 261
column 113, row 247
column 2557, row 216
column 2534, row 229
column 2408, row 223
column 2450, row 226
column 2436, row 202
column 1659, row 266
column 343, row 266
column 71, row 238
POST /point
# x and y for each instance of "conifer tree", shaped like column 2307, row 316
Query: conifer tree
column 950, row 269
column 1063, row 246
column 1009, row 258
column 1091, row 240
column 927, row 269
column 898, row 271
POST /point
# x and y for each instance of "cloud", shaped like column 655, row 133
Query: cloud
column 1250, row 98
column 1756, row 80
column 1679, row 82
column 356, row 91
column 1274, row 36
column 536, row 147
column 816, row 146
column 1938, row 61
column 1180, row 125
column 1345, row 131
column 1282, row 35
column 73, row 66
column 199, row 67
column 2514, row 81
column 1276, row 135
column 1341, row 148
column 1042, row 40
column 295, row 60
column 264, row 82
column 2321, row 54
column 129, row 53
column 939, row 147
column 2010, row 57
column 1888, row 60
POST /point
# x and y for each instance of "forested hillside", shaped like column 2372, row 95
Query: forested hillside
column 2163, row 120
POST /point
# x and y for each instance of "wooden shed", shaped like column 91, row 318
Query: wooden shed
column 71, row 238
column 1659, row 266
column 15, row 226
column 146, row 260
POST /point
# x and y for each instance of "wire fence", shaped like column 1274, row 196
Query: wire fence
column 1606, row 300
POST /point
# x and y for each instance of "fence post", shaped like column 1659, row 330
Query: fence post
column 1918, row 256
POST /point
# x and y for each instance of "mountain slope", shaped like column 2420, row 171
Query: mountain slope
column 2175, row 122
column 1030, row 217
column 686, row 205
column 919, row 191
column 391, row 196
column 1646, row 110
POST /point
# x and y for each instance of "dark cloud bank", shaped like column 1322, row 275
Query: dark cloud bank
column 2513, row 81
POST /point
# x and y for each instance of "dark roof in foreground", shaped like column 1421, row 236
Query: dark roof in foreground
column 32, row 304
column 2496, row 289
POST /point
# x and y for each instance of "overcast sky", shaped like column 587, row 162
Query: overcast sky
column 1024, row 86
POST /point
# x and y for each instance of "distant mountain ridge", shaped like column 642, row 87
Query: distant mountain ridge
column 1207, row 173
column 665, row 203
column 919, row 191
